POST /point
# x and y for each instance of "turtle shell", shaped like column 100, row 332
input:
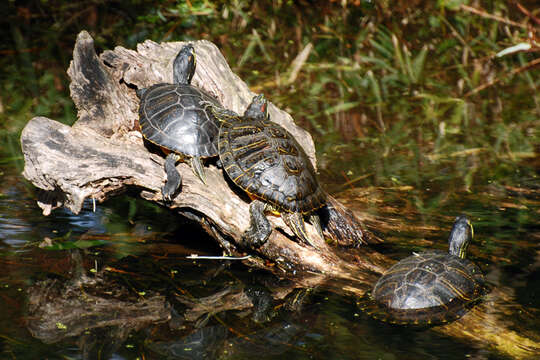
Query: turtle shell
column 267, row 162
column 429, row 287
column 170, row 116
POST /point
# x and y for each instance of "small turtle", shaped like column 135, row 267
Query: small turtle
column 170, row 116
column 265, row 160
column 430, row 287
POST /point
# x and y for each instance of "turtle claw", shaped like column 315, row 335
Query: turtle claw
column 167, row 193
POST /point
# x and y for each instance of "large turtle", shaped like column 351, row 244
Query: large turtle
column 170, row 116
column 430, row 287
column 265, row 160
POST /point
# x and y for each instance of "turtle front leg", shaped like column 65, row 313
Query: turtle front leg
column 259, row 228
column 174, row 179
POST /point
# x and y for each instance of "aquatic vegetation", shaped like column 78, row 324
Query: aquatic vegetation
column 427, row 88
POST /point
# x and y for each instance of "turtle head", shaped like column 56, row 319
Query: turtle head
column 460, row 236
column 257, row 109
column 184, row 65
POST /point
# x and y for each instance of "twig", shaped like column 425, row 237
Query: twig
column 528, row 13
column 355, row 180
column 459, row 37
column 521, row 69
column 197, row 257
column 18, row 51
column 490, row 16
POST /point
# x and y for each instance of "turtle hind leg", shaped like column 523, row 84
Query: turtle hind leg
column 198, row 168
column 315, row 220
column 259, row 228
column 174, row 179
column 295, row 221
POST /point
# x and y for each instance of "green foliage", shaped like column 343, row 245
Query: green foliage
column 450, row 4
column 386, row 90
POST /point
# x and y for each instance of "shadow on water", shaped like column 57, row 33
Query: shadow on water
column 116, row 283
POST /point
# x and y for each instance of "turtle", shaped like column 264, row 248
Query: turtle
column 170, row 116
column 265, row 160
column 430, row 287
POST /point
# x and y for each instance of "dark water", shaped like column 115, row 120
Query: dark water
column 137, row 251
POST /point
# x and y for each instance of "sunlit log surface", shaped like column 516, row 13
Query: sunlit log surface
column 103, row 154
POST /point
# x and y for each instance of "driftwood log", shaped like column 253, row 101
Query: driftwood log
column 103, row 154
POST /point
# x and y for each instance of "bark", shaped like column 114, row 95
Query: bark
column 103, row 154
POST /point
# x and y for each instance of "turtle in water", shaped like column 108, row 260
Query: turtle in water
column 431, row 287
column 170, row 116
column 265, row 160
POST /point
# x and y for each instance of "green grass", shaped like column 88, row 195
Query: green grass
column 390, row 91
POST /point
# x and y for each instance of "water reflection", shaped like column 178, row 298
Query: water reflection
column 209, row 309
column 96, row 311
column 21, row 221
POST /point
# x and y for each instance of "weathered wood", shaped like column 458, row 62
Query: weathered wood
column 103, row 154
column 96, row 158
